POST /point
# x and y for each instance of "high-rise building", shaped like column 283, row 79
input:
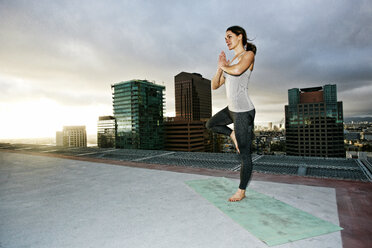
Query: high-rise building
column 276, row 128
column 314, row 122
column 270, row 126
column 74, row 136
column 106, row 131
column 193, row 96
column 138, row 110
column 187, row 131
column 186, row 135
column 59, row 138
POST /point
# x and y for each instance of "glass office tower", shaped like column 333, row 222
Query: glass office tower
column 314, row 122
column 106, row 132
column 138, row 110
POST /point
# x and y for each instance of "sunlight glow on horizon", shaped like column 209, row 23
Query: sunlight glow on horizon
column 43, row 118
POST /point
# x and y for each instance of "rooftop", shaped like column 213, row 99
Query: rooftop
column 338, row 168
column 142, row 81
column 90, row 197
column 311, row 89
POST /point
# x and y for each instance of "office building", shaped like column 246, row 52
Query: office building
column 74, row 136
column 138, row 110
column 106, row 132
column 314, row 122
column 186, row 135
column 193, row 96
column 270, row 126
column 187, row 131
column 367, row 135
column 352, row 135
column 59, row 138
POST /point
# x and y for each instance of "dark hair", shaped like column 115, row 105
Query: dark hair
column 247, row 45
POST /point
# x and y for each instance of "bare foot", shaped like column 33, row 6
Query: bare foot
column 238, row 196
column 232, row 135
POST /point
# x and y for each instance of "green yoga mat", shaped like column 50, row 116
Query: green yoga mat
column 272, row 221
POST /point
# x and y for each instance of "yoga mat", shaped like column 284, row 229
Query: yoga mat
column 272, row 221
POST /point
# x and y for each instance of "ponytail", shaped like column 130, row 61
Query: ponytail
column 251, row 47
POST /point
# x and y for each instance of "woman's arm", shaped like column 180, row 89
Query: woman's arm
column 245, row 62
column 218, row 78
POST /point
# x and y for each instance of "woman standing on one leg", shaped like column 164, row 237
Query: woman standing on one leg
column 240, row 110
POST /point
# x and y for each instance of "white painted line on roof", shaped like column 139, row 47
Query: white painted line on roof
column 25, row 148
column 88, row 153
column 256, row 158
column 236, row 168
column 365, row 170
column 50, row 151
column 368, row 163
column 140, row 159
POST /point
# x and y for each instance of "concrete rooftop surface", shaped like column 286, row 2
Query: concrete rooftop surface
column 50, row 199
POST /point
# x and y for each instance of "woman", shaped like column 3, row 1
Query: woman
column 240, row 110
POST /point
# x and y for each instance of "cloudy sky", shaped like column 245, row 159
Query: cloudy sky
column 59, row 58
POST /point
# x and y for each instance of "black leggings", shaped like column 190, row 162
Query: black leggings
column 243, row 126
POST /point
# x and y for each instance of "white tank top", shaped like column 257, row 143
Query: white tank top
column 237, row 91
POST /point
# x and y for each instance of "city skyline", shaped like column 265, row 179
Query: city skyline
column 60, row 59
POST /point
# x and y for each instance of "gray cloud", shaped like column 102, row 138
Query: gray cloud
column 62, row 46
column 26, row 91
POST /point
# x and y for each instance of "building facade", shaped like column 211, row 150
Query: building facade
column 314, row 122
column 138, row 110
column 186, row 135
column 193, row 100
column 193, row 96
column 74, row 136
column 59, row 138
column 106, row 132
